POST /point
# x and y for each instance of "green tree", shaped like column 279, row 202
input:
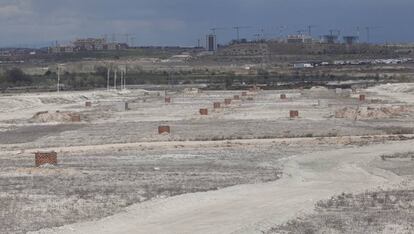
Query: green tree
column 17, row 76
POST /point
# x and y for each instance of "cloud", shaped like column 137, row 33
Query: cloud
column 12, row 10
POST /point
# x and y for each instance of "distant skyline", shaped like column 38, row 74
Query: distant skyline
column 183, row 22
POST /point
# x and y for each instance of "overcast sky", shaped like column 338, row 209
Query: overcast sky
column 182, row 22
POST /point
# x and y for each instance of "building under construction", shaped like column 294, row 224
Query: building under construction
column 298, row 39
column 88, row 44
column 211, row 42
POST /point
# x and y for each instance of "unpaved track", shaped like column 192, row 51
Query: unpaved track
column 5, row 149
column 255, row 208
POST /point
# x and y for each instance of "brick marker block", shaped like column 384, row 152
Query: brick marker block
column 164, row 129
column 236, row 97
column 283, row 96
column 217, row 105
column 42, row 158
column 203, row 111
column 294, row 114
column 227, row 101
column 362, row 97
column 244, row 94
column 167, row 99
column 88, row 104
column 75, row 118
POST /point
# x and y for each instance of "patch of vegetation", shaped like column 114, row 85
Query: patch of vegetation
column 375, row 212
column 401, row 156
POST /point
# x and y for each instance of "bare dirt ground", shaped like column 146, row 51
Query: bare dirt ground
column 255, row 208
column 384, row 211
column 244, row 168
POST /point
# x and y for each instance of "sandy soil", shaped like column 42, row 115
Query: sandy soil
column 255, row 208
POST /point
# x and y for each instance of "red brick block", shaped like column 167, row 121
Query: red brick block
column 203, row 111
column 42, row 158
column 283, row 96
column 227, row 101
column 217, row 105
column 244, row 94
column 88, row 104
column 75, row 118
column 164, row 129
column 362, row 97
column 294, row 114
column 167, row 99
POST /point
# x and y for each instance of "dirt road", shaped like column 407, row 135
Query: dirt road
column 255, row 208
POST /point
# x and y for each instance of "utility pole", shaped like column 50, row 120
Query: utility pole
column 107, row 78
column 133, row 41
column 58, row 85
column 113, row 37
column 127, row 35
column 125, row 72
column 115, row 73
column 368, row 29
column 122, row 80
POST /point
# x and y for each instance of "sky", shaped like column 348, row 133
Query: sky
column 183, row 22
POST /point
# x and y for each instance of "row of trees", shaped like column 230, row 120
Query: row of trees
column 15, row 77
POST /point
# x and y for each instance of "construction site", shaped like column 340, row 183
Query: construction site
column 190, row 160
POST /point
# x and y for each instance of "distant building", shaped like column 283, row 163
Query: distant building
column 299, row 39
column 211, row 42
column 246, row 49
column 62, row 49
column 350, row 40
column 330, row 39
column 303, row 65
column 88, row 44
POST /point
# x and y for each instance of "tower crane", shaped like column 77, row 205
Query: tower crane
column 214, row 30
column 368, row 30
column 338, row 32
column 310, row 29
column 237, row 28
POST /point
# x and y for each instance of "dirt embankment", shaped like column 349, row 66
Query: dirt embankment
column 56, row 117
column 373, row 112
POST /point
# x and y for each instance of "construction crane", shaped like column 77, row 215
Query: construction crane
column 310, row 29
column 214, row 30
column 127, row 35
column 300, row 32
column 260, row 35
column 368, row 30
column 257, row 35
column 281, row 29
column 133, row 41
column 237, row 28
column 338, row 32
